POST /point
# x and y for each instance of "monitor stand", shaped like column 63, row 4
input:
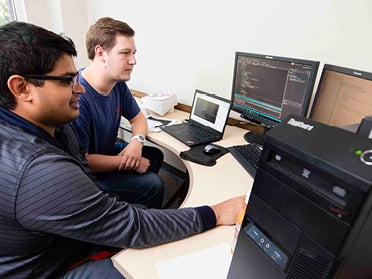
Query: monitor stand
column 255, row 137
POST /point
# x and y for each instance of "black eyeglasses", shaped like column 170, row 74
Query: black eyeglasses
column 73, row 80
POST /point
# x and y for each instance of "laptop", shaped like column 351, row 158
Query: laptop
column 206, row 123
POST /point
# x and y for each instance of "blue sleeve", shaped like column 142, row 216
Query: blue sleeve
column 208, row 217
column 130, row 107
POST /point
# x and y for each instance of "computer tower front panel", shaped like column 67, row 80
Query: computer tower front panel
column 309, row 213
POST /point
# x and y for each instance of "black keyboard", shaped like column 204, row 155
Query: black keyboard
column 248, row 156
column 196, row 132
column 187, row 132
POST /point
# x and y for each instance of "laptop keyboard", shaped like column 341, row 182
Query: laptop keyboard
column 193, row 132
column 248, row 155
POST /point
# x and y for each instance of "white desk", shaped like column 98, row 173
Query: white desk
column 208, row 186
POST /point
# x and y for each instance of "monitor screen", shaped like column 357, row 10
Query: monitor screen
column 266, row 89
column 210, row 110
column 343, row 97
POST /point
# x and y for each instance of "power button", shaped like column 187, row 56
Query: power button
column 366, row 157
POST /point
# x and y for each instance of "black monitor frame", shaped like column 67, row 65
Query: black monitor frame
column 260, row 112
column 353, row 75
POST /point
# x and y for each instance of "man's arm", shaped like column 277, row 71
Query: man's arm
column 139, row 124
column 103, row 163
column 129, row 158
column 131, row 155
column 66, row 202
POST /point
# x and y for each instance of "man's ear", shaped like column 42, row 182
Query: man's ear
column 99, row 52
column 19, row 87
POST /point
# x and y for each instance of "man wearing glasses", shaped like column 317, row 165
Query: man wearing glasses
column 53, row 218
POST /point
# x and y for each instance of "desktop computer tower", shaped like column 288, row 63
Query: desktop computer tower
column 309, row 214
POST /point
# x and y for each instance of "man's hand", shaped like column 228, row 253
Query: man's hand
column 131, row 156
column 143, row 165
column 227, row 212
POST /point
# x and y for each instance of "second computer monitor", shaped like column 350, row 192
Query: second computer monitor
column 266, row 88
column 343, row 97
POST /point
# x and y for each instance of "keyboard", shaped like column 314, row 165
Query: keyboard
column 190, row 134
column 248, row 156
column 196, row 132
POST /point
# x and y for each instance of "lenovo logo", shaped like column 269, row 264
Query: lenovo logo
column 300, row 124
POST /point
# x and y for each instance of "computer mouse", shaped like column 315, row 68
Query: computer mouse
column 211, row 149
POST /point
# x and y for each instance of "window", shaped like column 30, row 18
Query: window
column 7, row 11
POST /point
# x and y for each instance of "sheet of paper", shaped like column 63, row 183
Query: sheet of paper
column 153, row 123
column 213, row 263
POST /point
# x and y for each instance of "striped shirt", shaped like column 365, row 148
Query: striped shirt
column 52, row 213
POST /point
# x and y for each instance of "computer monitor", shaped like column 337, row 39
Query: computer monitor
column 343, row 97
column 266, row 88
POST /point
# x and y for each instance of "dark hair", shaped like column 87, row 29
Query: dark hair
column 27, row 49
column 103, row 33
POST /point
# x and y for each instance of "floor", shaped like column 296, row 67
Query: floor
column 176, row 185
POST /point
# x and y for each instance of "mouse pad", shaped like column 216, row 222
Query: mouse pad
column 195, row 154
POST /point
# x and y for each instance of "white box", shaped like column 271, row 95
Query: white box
column 159, row 103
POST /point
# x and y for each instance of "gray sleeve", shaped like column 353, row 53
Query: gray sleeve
column 57, row 197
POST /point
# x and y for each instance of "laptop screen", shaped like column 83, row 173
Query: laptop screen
column 210, row 110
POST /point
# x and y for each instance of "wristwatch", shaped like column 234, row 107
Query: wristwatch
column 140, row 138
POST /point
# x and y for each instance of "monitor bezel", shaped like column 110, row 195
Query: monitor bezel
column 339, row 69
column 264, row 121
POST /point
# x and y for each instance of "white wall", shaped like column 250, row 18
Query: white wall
column 60, row 16
column 184, row 45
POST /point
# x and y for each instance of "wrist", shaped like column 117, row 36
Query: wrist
column 208, row 217
column 140, row 138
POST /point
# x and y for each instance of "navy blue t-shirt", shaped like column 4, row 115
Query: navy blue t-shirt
column 98, row 124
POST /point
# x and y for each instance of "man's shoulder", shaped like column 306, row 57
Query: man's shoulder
column 18, row 149
column 21, row 142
